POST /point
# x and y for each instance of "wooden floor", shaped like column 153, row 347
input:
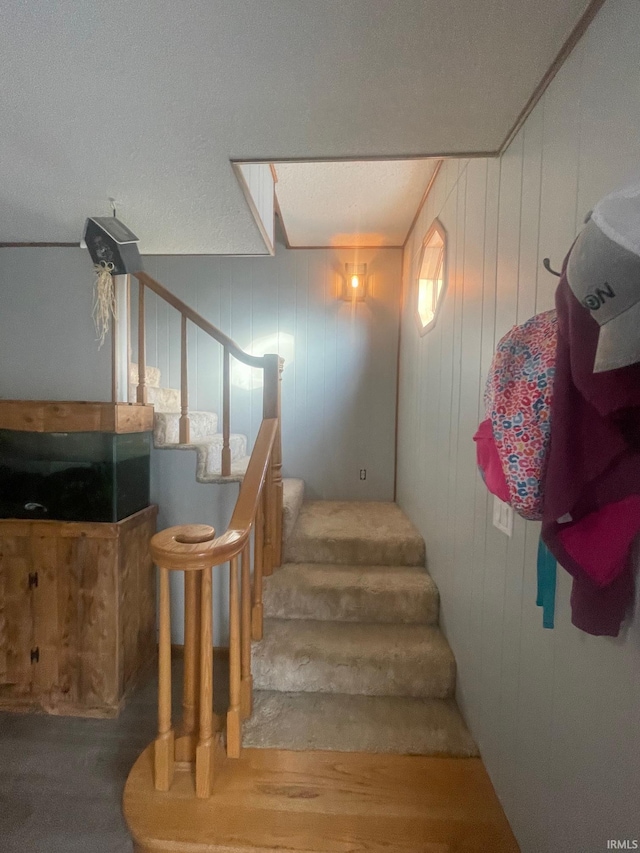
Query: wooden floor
column 325, row 802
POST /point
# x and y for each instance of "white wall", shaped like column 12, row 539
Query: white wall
column 556, row 713
column 48, row 348
column 338, row 395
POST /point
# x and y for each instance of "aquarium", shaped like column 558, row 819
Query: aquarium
column 73, row 476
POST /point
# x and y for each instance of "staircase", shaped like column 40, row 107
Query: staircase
column 352, row 657
column 204, row 437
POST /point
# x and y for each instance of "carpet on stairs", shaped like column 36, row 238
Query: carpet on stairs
column 352, row 657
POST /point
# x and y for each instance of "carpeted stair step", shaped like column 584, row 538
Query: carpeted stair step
column 209, row 458
column 292, row 498
column 347, row 723
column 162, row 399
column 151, row 376
column 403, row 594
column 166, row 430
column 355, row 533
column 350, row 657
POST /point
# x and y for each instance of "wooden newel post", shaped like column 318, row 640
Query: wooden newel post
column 273, row 509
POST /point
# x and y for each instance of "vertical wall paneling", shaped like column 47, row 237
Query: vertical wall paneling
column 555, row 713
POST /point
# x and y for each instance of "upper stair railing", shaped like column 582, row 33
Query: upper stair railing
column 270, row 364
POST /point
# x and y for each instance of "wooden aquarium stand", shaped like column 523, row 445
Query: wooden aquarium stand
column 77, row 613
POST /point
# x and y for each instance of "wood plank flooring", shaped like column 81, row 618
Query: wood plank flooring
column 322, row 802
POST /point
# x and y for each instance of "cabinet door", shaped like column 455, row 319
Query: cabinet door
column 86, row 620
column 16, row 617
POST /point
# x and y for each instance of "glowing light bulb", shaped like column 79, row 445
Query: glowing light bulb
column 355, row 282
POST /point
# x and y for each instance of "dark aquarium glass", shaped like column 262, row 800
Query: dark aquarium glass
column 73, row 476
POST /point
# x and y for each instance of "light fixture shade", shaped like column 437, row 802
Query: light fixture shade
column 354, row 284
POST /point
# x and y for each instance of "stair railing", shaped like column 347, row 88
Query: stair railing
column 196, row 551
column 270, row 364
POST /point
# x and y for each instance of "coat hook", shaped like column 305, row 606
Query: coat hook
column 546, row 263
column 112, row 201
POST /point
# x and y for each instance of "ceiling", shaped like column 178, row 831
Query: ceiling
column 369, row 203
column 148, row 102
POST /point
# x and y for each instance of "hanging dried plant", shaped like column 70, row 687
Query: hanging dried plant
column 104, row 304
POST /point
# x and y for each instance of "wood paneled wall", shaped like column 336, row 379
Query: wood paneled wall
column 338, row 395
column 556, row 713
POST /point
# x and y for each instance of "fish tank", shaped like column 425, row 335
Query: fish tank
column 73, row 476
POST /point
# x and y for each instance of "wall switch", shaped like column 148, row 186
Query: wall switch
column 502, row 516
column 363, row 473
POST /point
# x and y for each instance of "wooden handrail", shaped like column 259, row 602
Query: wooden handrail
column 172, row 548
column 236, row 351
column 195, row 549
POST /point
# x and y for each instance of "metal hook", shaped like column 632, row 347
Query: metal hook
column 546, row 263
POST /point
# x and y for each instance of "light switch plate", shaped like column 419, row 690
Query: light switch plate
column 502, row 516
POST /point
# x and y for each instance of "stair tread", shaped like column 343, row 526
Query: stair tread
column 354, row 657
column 339, row 640
column 214, row 439
column 352, row 532
column 355, row 723
column 326, row 591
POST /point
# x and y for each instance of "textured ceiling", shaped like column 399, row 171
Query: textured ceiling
column 351, row 204
column 148, row 101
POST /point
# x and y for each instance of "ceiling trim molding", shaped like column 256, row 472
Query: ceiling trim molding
column 364, row 158
column 75, row 245
column 563, row 54
column 423, row 201
column 276, row 203
column 235, row 165
column 360, row 248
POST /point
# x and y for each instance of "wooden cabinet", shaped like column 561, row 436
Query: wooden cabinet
column 77, row 612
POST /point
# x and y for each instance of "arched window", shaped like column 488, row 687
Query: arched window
column 431, row 276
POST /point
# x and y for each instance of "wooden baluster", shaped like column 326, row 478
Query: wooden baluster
column 205, row 748
column 184, row 423
column 226, row 449
column 164, row 745
column 273, row 512
column 234, row 725
column 141, row 394
column 268, row 551
column 276, row 461
column 186, row 744
column 246, row 679
column 258, row 557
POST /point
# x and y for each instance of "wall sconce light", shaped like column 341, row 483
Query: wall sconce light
column 354, row 285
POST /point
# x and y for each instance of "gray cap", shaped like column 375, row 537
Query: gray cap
column 604, row 274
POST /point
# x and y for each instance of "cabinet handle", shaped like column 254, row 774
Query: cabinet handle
column 35, row 655
column 33, row 579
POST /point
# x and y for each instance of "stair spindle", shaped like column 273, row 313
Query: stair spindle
column 226, row 449
column 234, row 730
column 141, row 393
column 246, row 679
column 205, row 748
column 186, row 743
column 164, row 746
column 184, row 424
column 258, row 557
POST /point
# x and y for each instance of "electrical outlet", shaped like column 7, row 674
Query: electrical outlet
column 363, row 473
column 502, row 516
